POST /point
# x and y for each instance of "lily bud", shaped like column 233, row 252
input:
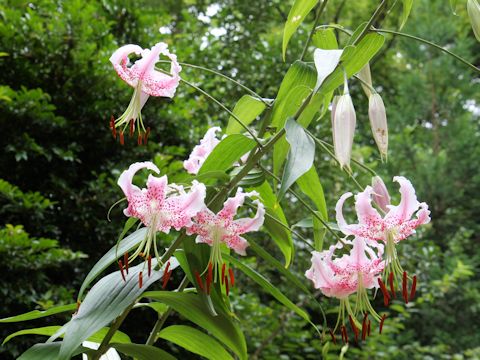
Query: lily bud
column 366, row 76
column 473, row 9
column 344, row 121
column 378, row 122
column 380, row 195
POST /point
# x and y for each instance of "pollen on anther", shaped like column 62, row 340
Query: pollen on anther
column 381, row 323
column 227, row 288
column 125, row 261
column 147, row 133
column 120, row 265
column 404, row 287
column 140, row 279
column 166, row 278
column 132, row 128
column 139, row 140
column 149, row 265
column 364, row 327
column 199, row 280
column 223, row 272
column 122, row 138
column 354, row 327
column 232, row 277
column 414, row 287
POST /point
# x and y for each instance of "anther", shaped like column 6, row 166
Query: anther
column 414, row 287
column 122, row 139
column 333, row 336
column 344, row 329
column 199, row 280
column 167, row 267
column 223, row 273
column 227, row 288
column 125, row 261
column 149, row 260
column 354, row 327
column 131, row 128
column 145, row 138
column 140, row 279
column 166, row 277
column 392, row 288
column 386, row 296
column 209, row 277
column 232, row 277
column 381, row 323
column 364, row 327
column 139, row 140
column 404, row 287
column 120, row 265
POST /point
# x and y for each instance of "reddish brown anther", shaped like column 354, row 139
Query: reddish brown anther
column 404, row 287
column 199, row 280
column 139, row 139
column 149, row 261
column 125, row 261
column 227, row 288
column 209, row 277
column 364, row 327
column 344, row 334
column 354, row 327
column 392, row 287
column 386, row 296
column 145, row 138
column 122, row 138
column 384, row 316
column 132, row 128
column 120, row 265
column 167, row 267
column 333, row 336
column 112, row 127
column 166, row 278
column 223, row 273
column 414, row 287
column 232, row 277
column 140, row 279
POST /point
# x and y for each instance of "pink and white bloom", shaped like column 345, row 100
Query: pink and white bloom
column 344, row 121
column 160, row 206
column 201, row 151
column 146, row 82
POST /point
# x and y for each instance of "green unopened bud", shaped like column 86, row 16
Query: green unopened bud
column 378, row 123
column 343, row 128
column 473, row 9
column 366, row 79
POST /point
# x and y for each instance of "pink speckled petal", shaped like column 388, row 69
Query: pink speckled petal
column 238, row 244
column 363, row 205
column 408, row 203
column 125, row 179
column 380, row 194
column 119, row 60
column 252, row 224
column 201, row 151
column 232, row 204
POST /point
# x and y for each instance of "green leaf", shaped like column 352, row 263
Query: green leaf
column 309, row 183
column 158, row 307
column 143, row 352
column 272, row 290
column 246, row 109
column 407, row 8
column 192, row 307
column 119, row 336
column 220, row 175
column 325, row 39
column 226, row 153
column 105, row 301
column 301, row 155
column 195, row 341
column 47, row 351
column 353, row 60
column 111, row 256
column 253, row 178
column 298, row 12
column 36, row 314
column 281, row 236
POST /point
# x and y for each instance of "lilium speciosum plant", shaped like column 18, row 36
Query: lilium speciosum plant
column 222, row 229
column 160, row 206
column 146, row 82
column 396, row 224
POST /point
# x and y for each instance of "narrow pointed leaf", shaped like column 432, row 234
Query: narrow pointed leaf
column 47, row 351
column 143, row 352
column 325, row 39
column 37, row 314
column 407, row 8
column 246, row 109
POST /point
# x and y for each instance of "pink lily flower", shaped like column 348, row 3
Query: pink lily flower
column 160, row 206
column 146, row 82
column 222, row 229
column 352, row 273
column 201, row 151
column 396, row 225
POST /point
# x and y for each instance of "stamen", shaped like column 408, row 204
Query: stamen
column 381, row 323
column 392, row 288
column 166, row 277
column 167, row 267
column 150, row 265
column 232, row 278
column 354, row 327
column 112, row 127
column 139, row 140
column 333, row 336
column 344, row 329
column 125, row 261
column 227, row 288
column 209, row 277
column 199, row 280
column 120, row 265
column 364, row 327
column 223, row 272
column 404, row 287
column 414, row 287
column 140, row 279
column 147, row 133
column 131, row 128
column 386, row 296
column 122, row 139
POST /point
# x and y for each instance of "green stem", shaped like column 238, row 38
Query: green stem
column 374, row 17
column 408, row 36
column 317, row 18
column 161, row 320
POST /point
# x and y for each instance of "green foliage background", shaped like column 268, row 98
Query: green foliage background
column 59, row 163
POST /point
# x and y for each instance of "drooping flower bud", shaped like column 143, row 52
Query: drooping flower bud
column 378, row 122
column 343, row 128
column 473, row 9
column 366, row 79
column 380, row 195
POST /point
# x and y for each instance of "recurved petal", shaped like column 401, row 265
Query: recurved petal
column 366, row 213
column 119, row 60
column 125, row 179
column 232, row 204
column 252, row 224
column 342, row 224
column 408, row 202
column 194, row 201
column 238, row 244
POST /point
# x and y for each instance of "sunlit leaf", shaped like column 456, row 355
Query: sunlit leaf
column 407, row 8
column 36, row 314
column 325, row 39
column 246, row 109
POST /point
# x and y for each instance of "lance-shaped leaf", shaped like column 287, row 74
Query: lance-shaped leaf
column 297, row 13
column 47, row 351
column 111, row 256
column 37, row 314
column 195, row 341
column 143, row 352
column 246, row 109
column 301, row 155
column 325, row 39
column 106, row 301
column 407, row 8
